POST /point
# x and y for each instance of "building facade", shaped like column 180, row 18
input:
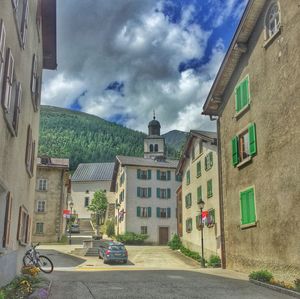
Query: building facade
column 51, row 194
column 27, row 45
column 145, row 191
column 86, row 180
column 255, row 97
column 198, row 167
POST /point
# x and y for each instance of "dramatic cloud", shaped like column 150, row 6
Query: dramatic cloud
column 120, row 60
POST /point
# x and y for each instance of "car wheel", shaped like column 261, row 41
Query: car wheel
column 105, row 261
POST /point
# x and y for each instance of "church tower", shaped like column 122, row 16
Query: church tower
column 154, row 144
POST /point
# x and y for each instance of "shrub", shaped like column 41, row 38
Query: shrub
column 132, row 238
column 192, row 254
column 261, row 275
column 214, row 261
column 110, row 228
column 175, row 243
column 297, row 284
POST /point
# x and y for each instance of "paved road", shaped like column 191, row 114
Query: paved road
column 154, row 284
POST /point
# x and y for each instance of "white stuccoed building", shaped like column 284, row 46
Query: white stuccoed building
column 145, row 190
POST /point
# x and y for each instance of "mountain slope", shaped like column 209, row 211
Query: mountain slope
column 175, row 138
column 85, row 138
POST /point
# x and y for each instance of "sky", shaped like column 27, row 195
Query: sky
column 122, row 59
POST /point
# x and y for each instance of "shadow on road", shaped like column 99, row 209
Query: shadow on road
column 60, row 259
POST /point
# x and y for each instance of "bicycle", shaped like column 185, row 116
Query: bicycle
column 32, row 257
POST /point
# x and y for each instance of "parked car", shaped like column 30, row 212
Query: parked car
column 74, row 228
column 110, row 251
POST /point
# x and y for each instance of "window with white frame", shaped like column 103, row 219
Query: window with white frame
column 272, row 20
column 41, row 206
column 42, row 185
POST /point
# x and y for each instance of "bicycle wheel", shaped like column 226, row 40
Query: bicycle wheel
column 45, row 264
column 27, row 260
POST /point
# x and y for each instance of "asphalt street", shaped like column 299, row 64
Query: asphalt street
column 154, row 284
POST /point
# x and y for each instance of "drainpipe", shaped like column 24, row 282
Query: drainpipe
column 221, row 203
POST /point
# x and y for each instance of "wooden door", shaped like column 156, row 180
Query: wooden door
column 163, row 235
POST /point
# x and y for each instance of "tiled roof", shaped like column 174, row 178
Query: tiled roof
column 54, row 162
column 139, row 161
column 93, row 172
column 205, row 133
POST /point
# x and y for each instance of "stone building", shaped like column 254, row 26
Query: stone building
column 87, row 179
column 198, row 166
column 145, row 189
column 27, row 45
column 52, row 179
column 255, row 99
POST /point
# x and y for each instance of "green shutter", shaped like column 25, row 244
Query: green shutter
column 209, row 188
column 245, row 92
column 211, row 159
column 168, row 175
column 188, row 177
column 244, row 207
column 238, row 98
column 168, row 212
column 199, row 169
column 138, row 174
column 149, row 192
column 138, row 192
column 158, row 192
column 168, row 193
column 252, row 139
column 149, row 212
column 235, row 151
column 199, row 194
column 251, row 206
column 138, row 212
column 158, row 174
column 149, row 174
column 178, row 178
column 158, row 212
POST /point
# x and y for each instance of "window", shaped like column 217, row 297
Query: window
column 272, row 20
column 209, row 188
column 200, row 146
column 198, row 169
column 24, row 226
column 156, row 148
column 144, row 212
column 188, row 177
column 193, row 153
column 39, row 228
column 144, row 230
column 199, row 194
column 198, row 222
column 151, row 148
column 178, row 178
column 144, row 174
column 163, row 212
column 7, row 221
column 2, row 50
column 30, row 152
column 242, row 95
column 209, row 161
column 247, row 202
column 188, row 200
column 163, row 175
column 86, row 201
column 122, row 179
column 163, row 193
column 35, row 84
column 42, row 185
column 41, row 204
column 143, row 192
column 121, row 196
column 244, row 145
column 189, row 225
column 21, row 12
column 210, row 219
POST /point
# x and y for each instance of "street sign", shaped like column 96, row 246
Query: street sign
column 66, row 212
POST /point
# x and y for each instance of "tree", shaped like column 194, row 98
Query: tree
column 99, row 202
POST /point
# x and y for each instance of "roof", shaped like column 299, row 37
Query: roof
column 204, row 135
column 139, row 161
column 238, row 46
column 48, row 11
column 93, row 172
column 53, row 162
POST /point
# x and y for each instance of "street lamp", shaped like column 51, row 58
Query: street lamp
column 71, row 204
column 118, row 209
column 201, row 206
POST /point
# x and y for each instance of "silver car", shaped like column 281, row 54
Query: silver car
column 74, row 228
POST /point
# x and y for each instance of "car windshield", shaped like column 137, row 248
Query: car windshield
column 117, row 247
column 75, row 225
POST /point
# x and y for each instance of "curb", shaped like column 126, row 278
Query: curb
column 276, row 288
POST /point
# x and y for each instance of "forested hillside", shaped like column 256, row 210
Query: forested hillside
column 84, row 138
